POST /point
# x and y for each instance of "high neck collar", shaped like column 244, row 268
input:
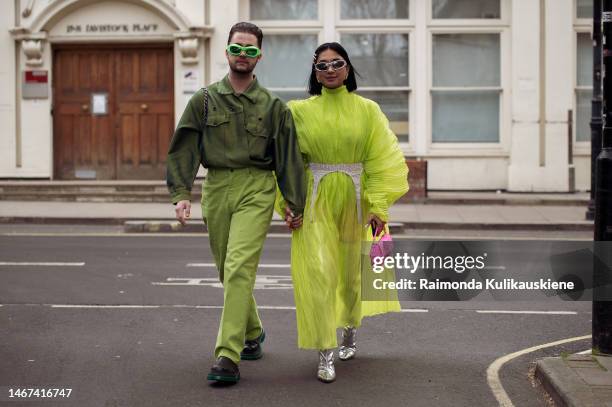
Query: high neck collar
column 338, row 91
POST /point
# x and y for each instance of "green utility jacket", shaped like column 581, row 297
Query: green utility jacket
column 254, row 129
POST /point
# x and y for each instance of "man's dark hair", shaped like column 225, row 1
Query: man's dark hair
column 249, row 28
column 314, row 87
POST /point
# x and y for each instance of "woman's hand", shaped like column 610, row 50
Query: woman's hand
column 292, row 221
column 377, row 223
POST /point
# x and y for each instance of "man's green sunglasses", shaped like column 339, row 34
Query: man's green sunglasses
column 251, row 51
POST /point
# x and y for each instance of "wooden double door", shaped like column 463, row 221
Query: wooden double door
column 124, row 131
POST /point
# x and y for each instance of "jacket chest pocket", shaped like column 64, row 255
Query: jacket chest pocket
column 259, row 141
column 217, row 124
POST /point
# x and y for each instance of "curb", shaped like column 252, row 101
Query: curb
column 563, row 385
column 503, row 201
column 534, row 226
column 144, row 226
column 46, row 220
column 132, row 225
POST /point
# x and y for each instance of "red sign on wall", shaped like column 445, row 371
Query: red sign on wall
column 36, row 77
column 35, row 84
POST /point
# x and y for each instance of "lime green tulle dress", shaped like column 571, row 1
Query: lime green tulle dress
column 327, row 252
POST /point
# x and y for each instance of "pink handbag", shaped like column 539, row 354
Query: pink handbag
column 382, row 244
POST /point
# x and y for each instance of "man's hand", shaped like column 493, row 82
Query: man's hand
column 377, row 223
column 294, row 222
column 183, row 211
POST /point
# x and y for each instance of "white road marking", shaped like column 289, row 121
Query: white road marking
column 100, row 306
column 493, row 370
column 586, row 352
column 269, row 307
column 440, row 237
column 262, row 282
column 124, row 306
column 121, row 234
column 41, row 264
column 527, row 312
column 262, row 265
column 127, row 306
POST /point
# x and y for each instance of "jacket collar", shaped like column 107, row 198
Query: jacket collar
column 225, row 88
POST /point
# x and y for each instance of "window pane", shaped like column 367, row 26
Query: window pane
column 584, row 8
column 380, row 59
column 284, row 9
column 466, row 9
column 583, row 114
column 585, row 60
column 466, row 60
column 465, row 117
column 286, row 60
column 394, row 105
column 365, row 9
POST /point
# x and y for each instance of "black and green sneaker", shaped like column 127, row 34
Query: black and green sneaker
column 224, row 370
column 252, row 348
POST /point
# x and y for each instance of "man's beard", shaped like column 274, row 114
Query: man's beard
column 243, row 69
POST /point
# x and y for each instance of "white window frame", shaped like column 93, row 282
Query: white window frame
column 501, row 27
column 329, row 27
column 286, row 27
column 407, row 147
column 245, row 12
column 581, row 26
column 385, row 26
column 505, row 10
column 373, row 22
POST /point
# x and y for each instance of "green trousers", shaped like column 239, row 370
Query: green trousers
column 237, row 208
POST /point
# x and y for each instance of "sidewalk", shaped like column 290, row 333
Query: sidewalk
column 577, row 380
column 467, row 211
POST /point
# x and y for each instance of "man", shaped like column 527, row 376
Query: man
column 248, row 134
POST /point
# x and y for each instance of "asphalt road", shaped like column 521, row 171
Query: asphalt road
column 132, row 321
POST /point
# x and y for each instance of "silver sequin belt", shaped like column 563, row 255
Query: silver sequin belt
column 353, row 170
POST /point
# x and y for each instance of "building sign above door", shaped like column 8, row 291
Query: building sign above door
column 111, row 28
column 111, row 18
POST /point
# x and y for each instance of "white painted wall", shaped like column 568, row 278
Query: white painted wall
column 37, row 129
column 7, row 87
column 524, row 144
column 466, row 173
column 223, row 15
column 526, row 172
column 559, row 96
column 583, row 173
column 194, row 9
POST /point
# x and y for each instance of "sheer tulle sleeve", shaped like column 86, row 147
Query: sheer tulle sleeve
column 386, row 173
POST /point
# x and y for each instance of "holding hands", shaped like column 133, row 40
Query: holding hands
column 292, row 221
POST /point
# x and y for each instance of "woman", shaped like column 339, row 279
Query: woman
column 356, row 170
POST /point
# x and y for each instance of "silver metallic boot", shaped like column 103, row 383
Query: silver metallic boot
column 326, row 371
column 348, row 349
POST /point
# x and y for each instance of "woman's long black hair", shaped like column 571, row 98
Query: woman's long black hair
column 314, row 87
